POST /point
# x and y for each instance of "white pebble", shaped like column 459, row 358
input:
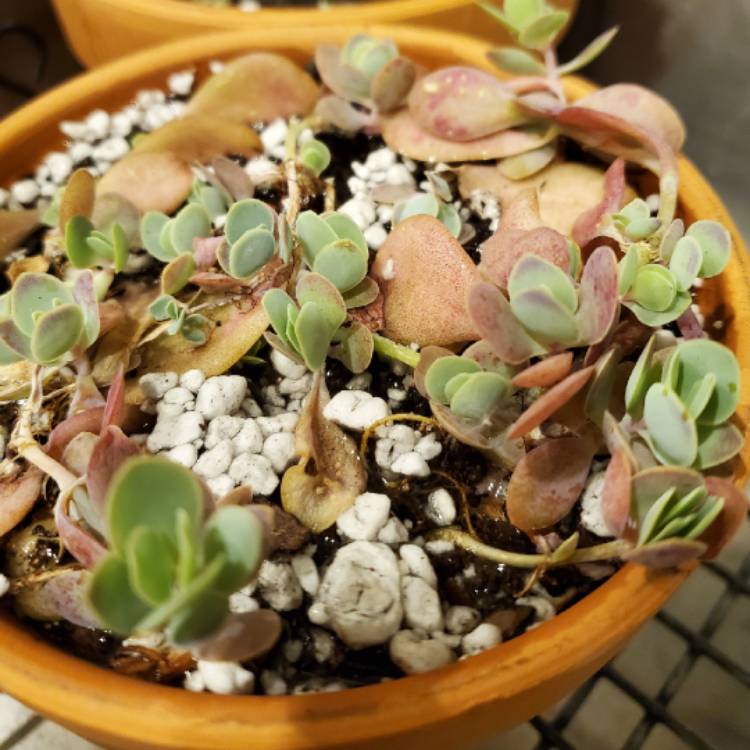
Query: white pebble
column 222, row 428
column 360, row 170
column 295, row 386
column 591, row 505
column 323, row 645
column 97, row 125
column 280, row 449
column 192, row 380
column 375, row 236
column 185, row 455
column 461, row 620
column 178, row 395
column 75, row 130
column 287, row 367
column 411, row 464
column 249, row 439
column 221, row 395
column 307, row 573
column 399, row 174
column 226, row 678
column 394, row 532
column 273, row 683
column 214, row 462
column 112, row 149
column 60, row 166
column 360, row 210
column 170, row 410
column 80, row 151
column 359, row 382
column 441, row 509
column 25, row 191
column 155, row 384
column 243, row 601
column 255, row 472
column 251, row 408
column 181, row 83
column 421, row 605
column 279, row 586
column 414, row 653
column 4, row 585
column 170, row 432
column 274, row 134
column 381, row 158
column 428, row 447
column 120, row 125
column 439, row 547
column 416, row 563
column 356, row 410
column 483, row 636
column 221, row 485
column 366, row 517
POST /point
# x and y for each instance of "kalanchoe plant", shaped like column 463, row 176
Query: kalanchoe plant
column 684, row 397
column 169, row 567
column 314, row 155
column 437, row 203
column 166, row 238
column 47, row 321
column 367, row 72
column 192, row 326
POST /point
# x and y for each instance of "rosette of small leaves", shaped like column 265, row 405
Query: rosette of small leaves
column 462, row 384
column 46, row 321
column 314, row 155
column 310, row 329
column 436, row 203
column 168, row 567
column 166, row 238
column 87, row 246
column 192, row 326
column 334, row 246
column 655, row 285
column 684, row 397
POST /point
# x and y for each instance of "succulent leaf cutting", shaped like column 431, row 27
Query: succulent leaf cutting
column 391, row 339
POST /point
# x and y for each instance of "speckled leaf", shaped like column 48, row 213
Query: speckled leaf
column 484, row 392
column 355, row 349
column 56, row 333
column 427, row 356
column 654, row 319
column 312, row 287
column 545, row 373
column 547, row 482
column 366, row 292
column 442, row 370
column 248, row 214
column 685, row 262
column 532, row 271
column 670, row 428
column 343, row 263
column 598, row 299
column 176, row 274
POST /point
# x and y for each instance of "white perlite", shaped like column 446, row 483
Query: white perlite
column 421, row 605
column 461, row 620
column 441, row 509
column 356, row 410
column 221, row 395
column 414, row 652
column 220, row 677
column 414, row 561
column 4, row 585
column 279, row 586
column 591, row 505
column 360, row 597
column 484, row 636
column 170, row 431
column 365, row 518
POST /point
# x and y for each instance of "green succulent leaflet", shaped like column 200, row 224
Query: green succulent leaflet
column 248, row 214
column 442, row 370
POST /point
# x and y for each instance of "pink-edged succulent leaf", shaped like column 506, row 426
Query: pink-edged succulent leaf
column 598, row 297
column 403, row 134
column 242, row 637
column 731, row 518
column 588, row 223
column 59, row 597
column 111, row 450
column 547, row 482
column 550, row 401
column 506, row 247
column 17, row 496
column 650, row 484
column 495, row 322
column 616, row 495
column 204, row 251
column 427, row 356
column 86, row 395
column 392, row 83
column 88, row 550
column 343, row 114
column 689, row 325
column 343, row 79
column 233, row 178
column 419, row 307
column 483, row 354
column 464, row 104
column 545, row 373
column 115, row 403
column 666, row 554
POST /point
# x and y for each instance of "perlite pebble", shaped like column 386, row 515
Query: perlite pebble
column 222, row 428
column 155, row 384
column 461, row 620
column 185, row 455
column 591, row 506
column 60, row 166
column 241, row 601
column 483, row 636
column 221, row 485
column 25, row 191
column 279, row 586
column 356, row 410
column 249, row 439
column 394, row 532
column 181, row 83
column 421, row 605
column 366, row 517
column 225, row 678
column 170, row 432
column 307, row 573
column 272, row 682
column 215, row 462
column 280, row 450
column 192, row 380
column 428, row 447
column 178, row 395
column 286, row 367
column 414, row 653
column 415, row 562
column 256, row 472
column 221, row 395
column 411, row 464
column 441, row 509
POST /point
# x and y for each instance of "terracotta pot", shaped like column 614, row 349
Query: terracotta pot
column 448, row 708
column 101, row 30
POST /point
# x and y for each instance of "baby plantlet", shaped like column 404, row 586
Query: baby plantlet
column 169, row 567
column 166, row 238
column 192, row 326
column 436, row 203
column 46, row 321
column 685, row 397
column 315, row 156
column 334, row 247
column 368, row 72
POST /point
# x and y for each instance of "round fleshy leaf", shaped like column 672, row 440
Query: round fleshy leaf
column 441, row 371
column 706, row 515
column 671, row 429
column 392, row 84
column 342, row 263
column 522, row 166
column 484, row 392
column 670, row 238
column 654, row 288
column 545, row 317
column 152, row 226
column 652, row 319
column 531, row 271
column 79, row 252
column 542, row 32
column 339, row 75
column 599, row 394
column 120, row 248
column 715, row 243
column 176, row 274
column 35, row 293
column 547, row 483
column 515, row 60
column 455, row 383
column 148, row 491
column 640, row 229
column 251, row 252
column 685, row 262
column 200, row 618
column 195, row 329
column 276, row 303
column 598, row 303
column 650, row 484
column 245, row 215
column 355, row 348
column 191, row 222
column 314, row 234
column 699, row 357
column 700, row 394
column 546, row 373
column 366, row 292
column 644, row 375
column 101, row 246
column 346, row 229
column 56, row 332
column 78, row 197
column 314, row 334
column 422, row 203
column 312, row 287
column 616, row 494
column 731, row 518
column 448, row 215
column 165, row 240
column 151, row 560
column 717, row 445
column 651, row 522
column 315, row 155
column 627, row 270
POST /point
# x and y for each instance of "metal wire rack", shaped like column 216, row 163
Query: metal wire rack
column 551, row 732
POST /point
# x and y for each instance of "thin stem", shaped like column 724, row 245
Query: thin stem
column 553, row 76
column 467, row 542
column 399, row 352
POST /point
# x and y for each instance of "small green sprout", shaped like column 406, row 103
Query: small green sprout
column 213, row 200
column 192, row 326
column 635, row 221
column 534, row 23
column 334, row 247
column 315, row 156
column 469, row 391
column 685, row 396
column 166, row 238
column 436, row 203
column 169, row 568
column 46, row 321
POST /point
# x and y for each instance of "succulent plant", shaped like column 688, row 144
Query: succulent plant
column 436, row 203
column 685, row 396
column 367, row 72
column 334, row 246
column 314, row 155
column 192, row 326
column 46, row 321
column 169, row 567
column 165, row 238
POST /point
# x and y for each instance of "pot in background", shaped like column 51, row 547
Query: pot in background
column 101, row 30
column 449, row 708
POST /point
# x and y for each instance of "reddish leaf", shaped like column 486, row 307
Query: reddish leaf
column 498, row 326
column 549, row 402
column 245, row 636
column 204, row 251
column 15, row 227
column 667, row 554
column 18, row 495
column 731, row 518
column 616, row 495
column 427, row 356
column 598, row 298
column 546, row 373
column 111, row 314
column 79, row 542
column 587, row 224
column 689, row 325
column 111, row 450
column 547, row 482
column 115, row 404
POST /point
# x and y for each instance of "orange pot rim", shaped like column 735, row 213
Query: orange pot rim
column 102, row 703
